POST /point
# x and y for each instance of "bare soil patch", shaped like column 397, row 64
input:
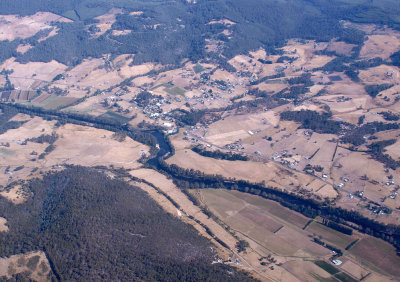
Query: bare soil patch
column 3, row 225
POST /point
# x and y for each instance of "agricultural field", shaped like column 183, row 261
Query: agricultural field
column 378, row 254
column 273, row 229
column 26, row 159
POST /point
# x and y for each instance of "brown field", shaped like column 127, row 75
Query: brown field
column 379, row 254
column 261, row 220
column 265, row 205
column 35, row 263
column 127, row 71
column 267, row 223
column 90, row 105
column 306, row 58
column 305, row 270
column 23, row 95
column 354, row 269
column 14, row 94
column 41, row 98
column 354, row 165
column 329, row 235
column 90, row 146
column 292, row 245
column 271, row 87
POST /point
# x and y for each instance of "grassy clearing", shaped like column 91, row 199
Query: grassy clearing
column 115, row 117
column 274, row 81
column 54, row 102
column 175, row 91
column 7, row 152
column 327, row 267
column 198, row 68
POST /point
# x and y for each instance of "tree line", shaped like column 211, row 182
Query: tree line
column 193, row 179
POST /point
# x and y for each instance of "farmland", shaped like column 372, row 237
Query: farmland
column 377, row 254
column 96, row 147
column 258, row 220
column 270, row 127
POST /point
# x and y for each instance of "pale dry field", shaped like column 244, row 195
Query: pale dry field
column 76, row 144
column 25, row 75
column 23, row 48
column 235, row 127
column 394, row 150
column 379, row 75
column 3, row 225
column 270, row 87
column 106, row 21
column 15, row 195
column 15, row 264
column 91, row 105
column 381, row 45
column 128, row 71
column 13, row 26
column 259, row 54
column 89, row 146
column 341, row 47
column 306, row 58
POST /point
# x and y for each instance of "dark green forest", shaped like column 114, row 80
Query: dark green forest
column 93, row 228
column 258, row 23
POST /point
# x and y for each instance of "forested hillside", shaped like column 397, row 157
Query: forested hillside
column 93, row 228
column 182, row 27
